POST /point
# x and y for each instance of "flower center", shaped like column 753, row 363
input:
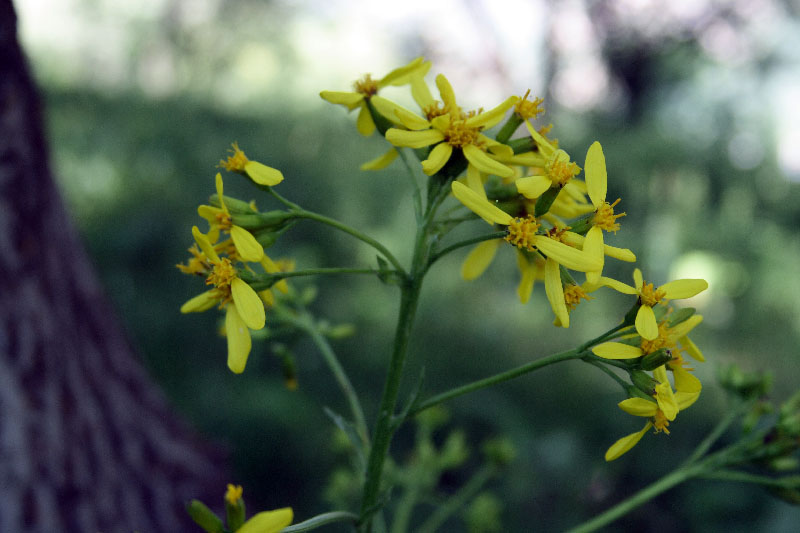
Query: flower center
column 650, row 296
column 235, row 162
column 224, row 221
column 660, row 422
column 221, row 277
column 197, row 264
column 521, row 232
column 233, row 494
column 459, row 134
column 529, row 108
column 436, row 109
column 573, row 295
column 662, row 341
column 366, row 86
column 605, row 218
column 560, row 169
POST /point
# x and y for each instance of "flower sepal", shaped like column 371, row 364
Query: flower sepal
column 259, row 221
column 546, row 200
column 656, row 359
column 644, row 382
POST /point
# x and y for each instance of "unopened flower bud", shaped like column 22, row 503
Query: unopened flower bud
column 644, row 382
column 204, row 517
column 654, row 360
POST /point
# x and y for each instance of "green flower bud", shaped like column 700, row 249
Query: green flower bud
column 499, row 451
column 654, row 360
column 204, row 517
column 644, row 382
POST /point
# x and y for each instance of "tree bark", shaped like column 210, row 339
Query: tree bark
column 87, row 442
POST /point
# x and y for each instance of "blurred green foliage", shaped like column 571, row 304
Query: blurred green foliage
column 134, row 170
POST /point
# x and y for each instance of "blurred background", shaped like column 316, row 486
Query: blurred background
column 694, row 101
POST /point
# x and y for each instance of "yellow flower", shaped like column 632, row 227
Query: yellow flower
column 448, row 128
column 558, row 170
column 268, row 521
column 524, row 232
column 246, row 312
column 219, row 218
column 233, row 494
column 649, row 296
column 258, row 172
column 366, row 89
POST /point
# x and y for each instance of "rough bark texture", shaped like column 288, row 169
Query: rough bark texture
column 87, row 442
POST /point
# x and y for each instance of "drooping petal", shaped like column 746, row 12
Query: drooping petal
column 201, row 302
column 262, row 174
column 617, row 350
column 479, row 259
column 544, row 144
column 474, row 180
column 618, row 286
column 624, row 444
column 349, row 100
column 447, row 94
column 555, row 292
column 502, row 151
column 638, row 406
column 686, row 399
column 623, row 254
column 438, row 158
column 683, row 288
column 381, row 161
column 391, row 110
column 683, row 329
column 692, row 349
column 204, row 244
column 638, row 280
column 248, row 304
column 411, row 120
column 685, row 381
column 568, row 256
column 533, row 186
column 238, row 340
column 399, row 76
column 209, row 213
column 364, row 124
column 666, row 400
column 218, row 185
column 480, row 205
column 491, row 118
column 246, row 245
column 420, row 92
column 484, row 163
column 646, row 324
column 413, row 139
column 268, row 521
column 530, row 272
column 595, row 172
column 593, row 246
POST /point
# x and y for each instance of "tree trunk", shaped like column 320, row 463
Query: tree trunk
column 87, row 442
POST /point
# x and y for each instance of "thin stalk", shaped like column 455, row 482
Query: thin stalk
column 731, row 416
column 302, row 213
column 291, row 205
column 402, row 514
column 417, row 193
column 444, row 251
column 621, row 382
column 271, row 278
column 643, row 496
column 494, row 380
column 457, row 500
column 321, row 520
column 788, row 482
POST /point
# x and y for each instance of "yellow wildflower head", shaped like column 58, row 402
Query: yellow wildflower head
column 521, row 232
column 660, row 422
column 221, row 276
column 458, row 134
column 235, row 162
column 435, row 109
column 649, row 295
column 528, row 109
column 197, row 264
column 573, row 294
column 560, row 169
column 234, row 494
column 605, row 218
column 661, row 341
column 366, row 86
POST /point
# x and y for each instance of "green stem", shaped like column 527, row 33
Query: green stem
column 341, row 376
column 441, row 253
column 302, row 213
column 494, row 380
column 705, row 445
column 457, row 500
column 414, row 183
column 621, row 382
column 265, row 281
column 291, row 205
column 321, row 520
column 646, row 494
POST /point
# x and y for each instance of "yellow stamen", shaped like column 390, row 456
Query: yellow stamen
column 662, row 341
column 436, row 109
column 458, row 134
column 221, row 277
column 521, row 232
column 197, row 264
column 558, row 234
column 234, row 494
column 235, row 162
column 649, row 295
column 573, row 295
column 605, row 218
column 660, row 422
column 560, row 172
column 366, row 86
column 528, row 109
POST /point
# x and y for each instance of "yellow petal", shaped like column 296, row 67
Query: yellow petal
column 683, row 329
column 491, row 118
column 638, row 406
column 399, row 76
column 238, row 340
column 624, row 444
column 529, row 273
column 555, row 292
column 595, row 172
column 381, row 161
column 437, row 158
column 683, row 288
column 248, row 304
column 692, row 349
column 474, row 180
column 271, row 268
column 685, row 381
column 484, row 163
column 568, row 256
column 200, row 303
column 267, row 297
column 666, row 400
column 246, row 245
column 413, row 139
column 446, row 92
column 623, row 254
column 646, row 324
column 410, row 120
column 209, row 213
column 390, row 110
column 617, row 350
column 262, row 174
column 349, row 100
column 479, row 259
column 617, row 285
column 686, row 399
column 502, row 151
column 364, row 123
column 544, row 144
column 218, row 184
column 480, row 205
column 268, row 521
column 420, row 92
column 533, row 186
column 593, row 246
column 638, row 280
column 204, row 244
